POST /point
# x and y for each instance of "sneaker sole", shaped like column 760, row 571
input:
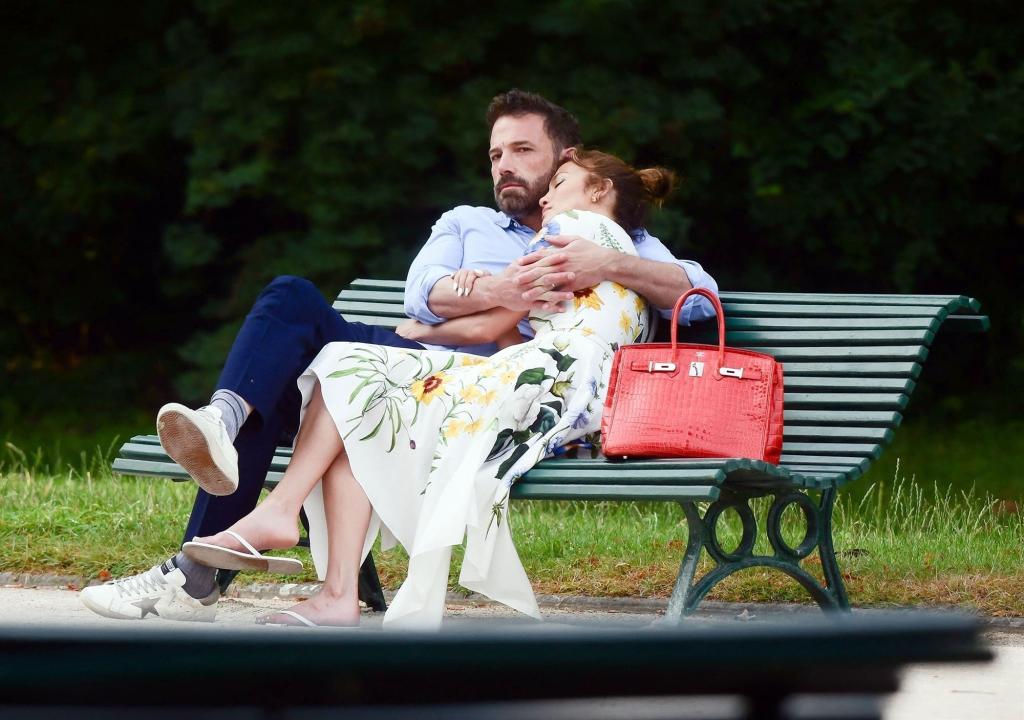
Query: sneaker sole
column 187, row 446
column 105, row 611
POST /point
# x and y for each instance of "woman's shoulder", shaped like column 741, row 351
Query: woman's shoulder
column 594, row 226
column 568, row 222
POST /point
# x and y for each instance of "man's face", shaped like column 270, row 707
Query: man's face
column 522, row 162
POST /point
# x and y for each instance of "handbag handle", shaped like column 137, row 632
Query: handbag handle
column 719, row 315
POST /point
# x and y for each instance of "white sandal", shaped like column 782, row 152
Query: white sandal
column 218, row 556
column 305, row 621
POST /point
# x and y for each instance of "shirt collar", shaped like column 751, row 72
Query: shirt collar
column 504, row 221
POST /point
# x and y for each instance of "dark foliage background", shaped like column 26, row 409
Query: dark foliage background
column 161, row 160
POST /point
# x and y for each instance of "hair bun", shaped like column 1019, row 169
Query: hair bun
column 658, row 182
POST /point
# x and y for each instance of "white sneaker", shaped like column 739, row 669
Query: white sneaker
column 198, row 441
column 149, row 593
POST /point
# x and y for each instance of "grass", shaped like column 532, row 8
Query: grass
column 900, row 542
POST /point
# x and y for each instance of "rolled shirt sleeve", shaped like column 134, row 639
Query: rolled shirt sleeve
column 695, row 308
column 440, row 256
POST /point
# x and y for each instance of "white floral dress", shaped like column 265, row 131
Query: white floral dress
column 436, row 438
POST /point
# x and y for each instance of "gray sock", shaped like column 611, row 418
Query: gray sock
column 200, row 580
column 232, row 410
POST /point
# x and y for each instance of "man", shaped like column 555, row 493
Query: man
column 227, row 446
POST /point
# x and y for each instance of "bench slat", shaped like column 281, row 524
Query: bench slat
column 826, row 310
column 803, row 459
column 798, row 401
column 535, row 491
column 820, row 382
column 368, row 308
column 598, row 471
column 852, row 369
column 745, row 338
column 865, row 352
column 880, row 435
column 944, row 301
column 870, row 450
column 924, row 322
column 845, row 417
column 398, row 285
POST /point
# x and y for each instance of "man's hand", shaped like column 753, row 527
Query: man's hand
column 549, row 276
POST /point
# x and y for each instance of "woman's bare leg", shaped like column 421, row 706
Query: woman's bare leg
column 273, row 523
column 348, row 517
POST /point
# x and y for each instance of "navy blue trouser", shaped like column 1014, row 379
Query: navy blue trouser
column 288, row 325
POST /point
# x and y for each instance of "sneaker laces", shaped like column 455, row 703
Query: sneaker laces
column 141, row 584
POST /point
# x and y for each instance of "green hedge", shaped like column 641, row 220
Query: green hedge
column 160, row 161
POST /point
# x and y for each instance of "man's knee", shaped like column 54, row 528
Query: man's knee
column 289, row 298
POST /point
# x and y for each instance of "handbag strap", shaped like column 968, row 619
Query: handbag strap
column 719, row 315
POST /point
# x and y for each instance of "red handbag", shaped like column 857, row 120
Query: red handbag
column 699, row 401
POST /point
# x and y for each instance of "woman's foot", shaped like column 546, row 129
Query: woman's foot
column 265, row 528
column 323, row 609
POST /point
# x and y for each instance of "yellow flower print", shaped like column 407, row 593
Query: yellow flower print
column 640, row 304
column 587, row 298
column 619, row 290
column 489, row 371
column 472, row 360
column 626, row 322
column 454, row 428
column 474, row 426
column 471, row 394
column 489, row 397
column 429, row 387
column 587, row 331
column 509, row 376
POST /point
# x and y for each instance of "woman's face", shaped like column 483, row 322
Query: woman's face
column 568, row 190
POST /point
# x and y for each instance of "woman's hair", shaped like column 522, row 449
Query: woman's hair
column 635, row 190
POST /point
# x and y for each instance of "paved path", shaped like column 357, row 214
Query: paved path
column 993, row 691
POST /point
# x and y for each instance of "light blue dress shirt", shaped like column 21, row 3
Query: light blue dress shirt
column 485, row 239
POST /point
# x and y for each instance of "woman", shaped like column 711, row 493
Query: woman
column 423, row 446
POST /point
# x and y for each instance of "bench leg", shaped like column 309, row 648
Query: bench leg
column 703, row 535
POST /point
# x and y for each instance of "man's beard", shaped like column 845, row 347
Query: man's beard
column 524, row 199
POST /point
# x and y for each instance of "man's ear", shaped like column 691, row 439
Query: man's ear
column 566, row 154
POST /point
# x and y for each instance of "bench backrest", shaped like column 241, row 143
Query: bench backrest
column 850, row 361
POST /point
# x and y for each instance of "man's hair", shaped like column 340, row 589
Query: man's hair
column 559, row 123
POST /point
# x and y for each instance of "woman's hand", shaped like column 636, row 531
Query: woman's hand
column 464, row 279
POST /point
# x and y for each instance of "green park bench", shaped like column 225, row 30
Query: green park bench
column 851, row 362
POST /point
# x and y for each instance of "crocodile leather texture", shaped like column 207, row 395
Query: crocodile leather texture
column 697, row 401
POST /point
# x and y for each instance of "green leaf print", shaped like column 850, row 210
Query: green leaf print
column 546, row 419
column 607, row 237
column 373, row 433
column 345, row 372
column 360, row 386
column 555, row 355
column 557, row 405
column 533, row 376
column 561, row 387
column 521, row 436
column 519, row 451
column 573, row 214
column 497, row 512
column 501, row 443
